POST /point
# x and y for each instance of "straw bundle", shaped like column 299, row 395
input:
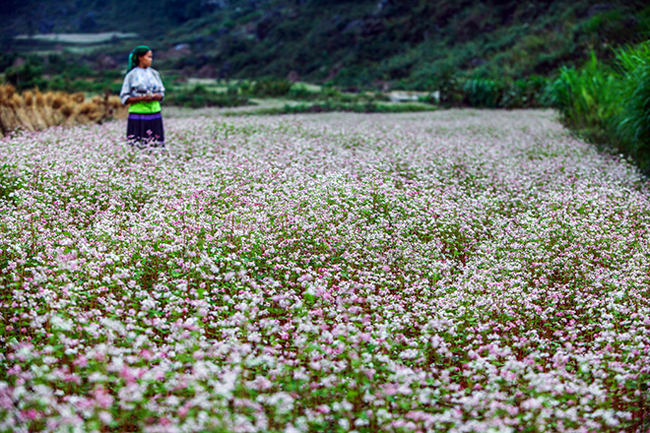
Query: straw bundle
column 52, row 116
column 2, row 99
column 34, row 110
column 48, row 98
column 39, row 98
column 40, row 109
column 89, row 112
column 8, row 120
column 68, row 109
column 28, row 99
column 115, row 103
column 59, row 100
column 78, row 97
column 21, row 113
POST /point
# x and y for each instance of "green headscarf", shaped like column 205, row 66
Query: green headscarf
column 137, row 52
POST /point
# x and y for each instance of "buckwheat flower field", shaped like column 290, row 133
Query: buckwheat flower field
column 457, row 271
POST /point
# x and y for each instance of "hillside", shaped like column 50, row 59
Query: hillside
column 410, row 44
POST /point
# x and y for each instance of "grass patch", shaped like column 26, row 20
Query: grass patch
column 335, row 106
column 200, row 96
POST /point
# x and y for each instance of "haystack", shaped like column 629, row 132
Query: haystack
column 8, row 102
column 21, row 113
column 36, row 111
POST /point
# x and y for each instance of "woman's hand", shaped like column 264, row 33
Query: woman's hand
column 152, row 97
column 147, row 98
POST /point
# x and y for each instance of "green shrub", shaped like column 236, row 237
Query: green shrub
column 483, row 93
column 75, row 70
column 7, row 59
column 112, row 74
column 245, row 88
column 268, row 87
column 199, row 97
column 526, row 93
column 27, row 76
column 99, row 86
column 450, row 87
column 300, row 91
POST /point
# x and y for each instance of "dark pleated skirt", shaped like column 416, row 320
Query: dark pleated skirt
column 144, row 130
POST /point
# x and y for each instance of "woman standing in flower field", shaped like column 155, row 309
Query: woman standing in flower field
column 143, row 90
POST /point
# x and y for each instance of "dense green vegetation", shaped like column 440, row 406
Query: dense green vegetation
column 411, row 45
column 199, row 96
column 609, row 104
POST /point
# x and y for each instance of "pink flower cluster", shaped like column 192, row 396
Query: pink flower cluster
column 461, row 271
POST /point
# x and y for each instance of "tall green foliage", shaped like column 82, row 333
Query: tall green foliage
column 587, row 98
column 483, row 93
column 609, row 105
column 633, row 123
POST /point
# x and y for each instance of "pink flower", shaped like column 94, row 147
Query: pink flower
column 31, row 414
column 102, row 398
column 82, row 361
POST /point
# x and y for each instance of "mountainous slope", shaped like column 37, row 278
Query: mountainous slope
column 406, row 43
